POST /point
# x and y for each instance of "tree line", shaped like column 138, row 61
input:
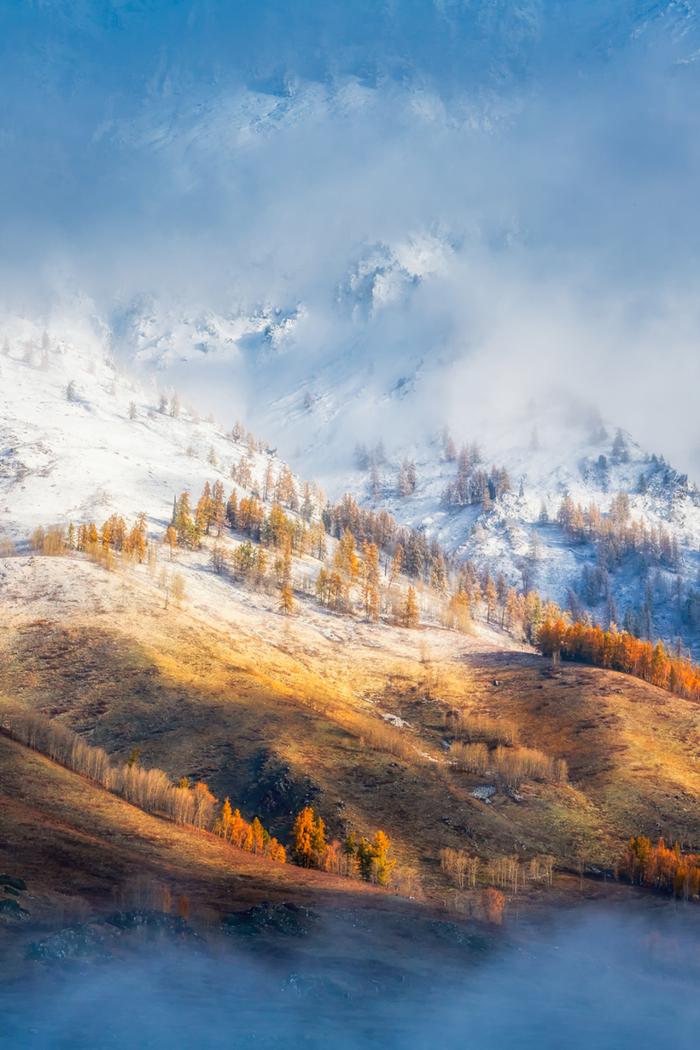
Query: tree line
column 620, row 651
column 149, row 789
column 661, row 867
column 194, row 804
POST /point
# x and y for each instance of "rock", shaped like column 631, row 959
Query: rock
column 13, row 881
column 75, row 942
column 10, row 909
column 147, row 919
column 290, row 920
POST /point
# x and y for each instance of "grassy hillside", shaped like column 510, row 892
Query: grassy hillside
column 275, row 712
column 79, row 847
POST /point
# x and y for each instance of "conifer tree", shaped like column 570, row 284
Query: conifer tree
column 171, row 539
column 370, row 580
column 396, row 564
column 225, row 821
column 183, row 523
column 382, row 863
column 286, row 604
column 303, row 836
column 409, row 617
column 232, row 509
column 218, row 507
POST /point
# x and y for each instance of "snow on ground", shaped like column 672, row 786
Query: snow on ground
column 109, row 449
column 550, row 453
column 83, row 458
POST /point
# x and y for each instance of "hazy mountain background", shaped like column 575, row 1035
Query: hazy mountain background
column 416, row 212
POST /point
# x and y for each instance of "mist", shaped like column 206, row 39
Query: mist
column 610, row 978
column 495, row 205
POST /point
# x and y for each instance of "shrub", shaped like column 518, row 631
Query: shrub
column 493, row 902
column 478, row 728
column 472, row 758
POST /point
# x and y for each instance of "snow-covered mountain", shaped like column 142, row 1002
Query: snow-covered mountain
column 574, row 507
column 81, row 439
column 356, row 225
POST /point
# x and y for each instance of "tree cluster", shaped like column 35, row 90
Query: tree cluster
column 149, row 789
column 616, row 534
column 512, row 765
column 250, row 836
column 362, row 858
column 620, row 651
column 665, row 869
column 114, row 535
column 468, row 871
column 473, row 484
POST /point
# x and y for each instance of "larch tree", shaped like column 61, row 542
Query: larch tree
column 286, row 603
column 170, row 539
column 383, row 863
column 396, row 564
column 370, row 581
column 409, row 616
column 309, row 838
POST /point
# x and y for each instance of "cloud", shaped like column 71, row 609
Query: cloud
column 235, row 165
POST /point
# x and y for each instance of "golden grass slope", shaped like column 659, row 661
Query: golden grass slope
column 274, row 712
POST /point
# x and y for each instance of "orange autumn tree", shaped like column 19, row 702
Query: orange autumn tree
column 493, row 902
column 252, row 837
column 309, row 839
column 665, row 869
column 374, row 859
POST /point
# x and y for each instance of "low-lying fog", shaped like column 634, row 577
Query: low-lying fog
column 603, row 979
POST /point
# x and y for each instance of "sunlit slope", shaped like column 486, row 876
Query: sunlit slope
column 72, row 841
column 276, row 712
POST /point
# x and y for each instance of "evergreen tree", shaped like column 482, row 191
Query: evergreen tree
column 409, row 616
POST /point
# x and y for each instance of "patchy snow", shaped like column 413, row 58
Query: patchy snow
column 86, row 457
column 395, row 720
column 83, row 457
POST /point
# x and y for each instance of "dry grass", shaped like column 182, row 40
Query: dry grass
column 60, row 832
column 272, row 712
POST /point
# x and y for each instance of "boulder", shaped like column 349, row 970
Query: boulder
column 13, row 881
column 11, row 909
column 290, row 920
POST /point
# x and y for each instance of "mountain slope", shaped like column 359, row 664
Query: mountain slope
column 269, row 712
column 85, row 458
column 94, row 847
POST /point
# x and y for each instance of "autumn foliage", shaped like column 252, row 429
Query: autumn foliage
column 620, row 651
column 363, row 858
column 252, row 836
column 493, row 902
column 665, row 869
column 149, row 789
